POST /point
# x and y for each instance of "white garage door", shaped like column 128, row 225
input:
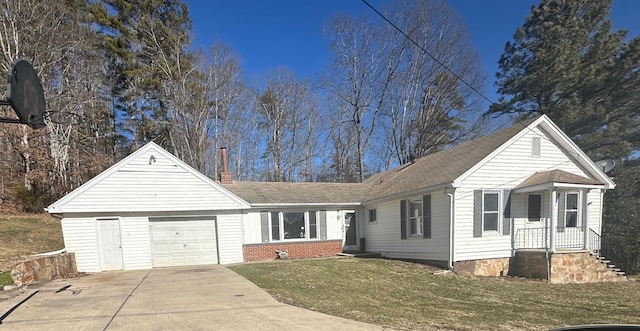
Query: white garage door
column 183, row 242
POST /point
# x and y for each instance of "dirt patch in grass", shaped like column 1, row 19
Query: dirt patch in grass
column 408, row 296
column 23, row 235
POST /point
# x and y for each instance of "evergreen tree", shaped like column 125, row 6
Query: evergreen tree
column 621, row 228
column 146, row 41
column 567, row 63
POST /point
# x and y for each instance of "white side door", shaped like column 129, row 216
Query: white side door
column 109, row 243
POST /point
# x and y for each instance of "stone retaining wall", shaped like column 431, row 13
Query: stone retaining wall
column 44, row 268
column 484, row 267
column 296, row 250
column 564, row 267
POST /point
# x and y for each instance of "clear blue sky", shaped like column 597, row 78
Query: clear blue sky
column 269, row 34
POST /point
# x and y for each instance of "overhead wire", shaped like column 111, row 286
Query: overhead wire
column 457, row 76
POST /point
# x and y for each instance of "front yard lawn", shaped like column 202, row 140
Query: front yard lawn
column 408, row 296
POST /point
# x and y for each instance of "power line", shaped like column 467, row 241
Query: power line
column 427, row 52
column 513, row 117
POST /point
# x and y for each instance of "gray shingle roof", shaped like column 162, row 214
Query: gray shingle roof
column 439, row 168
column 295, row 192
column 557, row 176
column 431, row 170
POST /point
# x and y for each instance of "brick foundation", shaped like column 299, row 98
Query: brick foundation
column 297, row 250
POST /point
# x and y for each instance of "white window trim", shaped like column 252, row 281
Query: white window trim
column 419, row 219
column 578, row 210
column 499, row 225
column 306, row 226
column 375, row 211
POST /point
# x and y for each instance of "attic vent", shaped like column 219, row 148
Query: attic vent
column 535, row 146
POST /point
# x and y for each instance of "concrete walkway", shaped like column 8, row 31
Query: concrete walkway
column 190, row 298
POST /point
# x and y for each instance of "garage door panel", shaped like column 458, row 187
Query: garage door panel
column 178, row 243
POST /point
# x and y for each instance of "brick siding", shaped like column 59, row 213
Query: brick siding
column 297, row 250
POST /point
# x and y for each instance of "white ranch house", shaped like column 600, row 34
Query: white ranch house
column 491, row 206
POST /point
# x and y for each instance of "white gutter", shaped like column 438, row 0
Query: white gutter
column 451, row 227
column 332, row 204
column 406, row 194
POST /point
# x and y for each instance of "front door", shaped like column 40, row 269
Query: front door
column 109, row 243
column 350, row 231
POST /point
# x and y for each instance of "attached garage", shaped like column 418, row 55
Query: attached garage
column 151, row 210
column 181, row 242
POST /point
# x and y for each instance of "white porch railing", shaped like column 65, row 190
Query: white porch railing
column 539, row 238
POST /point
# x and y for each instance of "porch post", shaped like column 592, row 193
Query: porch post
column 585, row 218
column 553, row 219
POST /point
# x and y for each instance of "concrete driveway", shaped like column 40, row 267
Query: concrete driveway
column 190, row 298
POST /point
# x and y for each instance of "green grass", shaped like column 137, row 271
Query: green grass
column 407, row 295
column 5, row 278
column 21, row 236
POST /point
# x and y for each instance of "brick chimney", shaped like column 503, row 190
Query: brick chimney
column 226, row 177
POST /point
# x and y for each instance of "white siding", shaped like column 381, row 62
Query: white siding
column 252, row 227
column 505, row 171
column 80, row 237
column 144, row 185
column 594, row 211
column 136, row 247
column 230, row 236
column 383, row 236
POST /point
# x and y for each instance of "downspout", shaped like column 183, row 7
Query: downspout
column 451, row 227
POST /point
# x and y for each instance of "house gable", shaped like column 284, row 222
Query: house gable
column 556, row 142
column 150, row 179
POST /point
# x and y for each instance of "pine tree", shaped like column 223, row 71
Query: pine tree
column 146, row 41
column 567, row 63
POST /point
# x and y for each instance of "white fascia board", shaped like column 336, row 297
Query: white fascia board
column 546, row 186
column 315, row 204
column 581, row 157
column 409, row 193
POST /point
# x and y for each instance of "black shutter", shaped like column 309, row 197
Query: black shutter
column 506, row 220
column 403, row 219
column 426, row 218
column 264, row 226
column 477, row 213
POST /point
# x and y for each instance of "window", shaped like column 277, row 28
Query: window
column 535, row 146
column 372, row 215
column 275, row 226
column 490, row 211
column 293, row 225
column 534, row 207
column 313, row 225
column 571, row 210
column 415, row 217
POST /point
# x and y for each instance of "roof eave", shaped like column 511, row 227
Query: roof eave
column 409, row 193
column 304, row 204
column 547, row 186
